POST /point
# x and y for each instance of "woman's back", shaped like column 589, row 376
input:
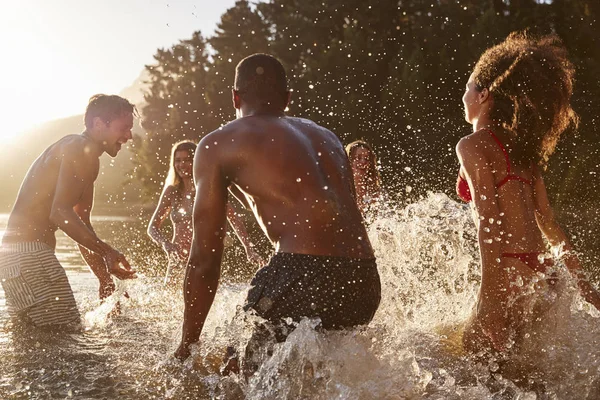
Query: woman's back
column 516, row 198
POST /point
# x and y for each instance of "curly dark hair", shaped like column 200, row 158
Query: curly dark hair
column 531, row 82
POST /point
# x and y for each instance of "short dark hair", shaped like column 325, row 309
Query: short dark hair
column 107, row 107
column 260, row 79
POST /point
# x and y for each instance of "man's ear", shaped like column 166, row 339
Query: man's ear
column 235, row 97
column 98, row 123
column 288, row 98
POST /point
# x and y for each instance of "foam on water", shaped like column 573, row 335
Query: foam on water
column 428, row 261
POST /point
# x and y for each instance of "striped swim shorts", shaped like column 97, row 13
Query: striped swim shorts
column 36, row 285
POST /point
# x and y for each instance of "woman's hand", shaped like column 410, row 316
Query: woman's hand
column 173, row 251
column 254, row 257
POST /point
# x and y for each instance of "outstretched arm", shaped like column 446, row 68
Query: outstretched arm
column 240, row 231
column 557, row 237
column 162, row 210
column 94, row 260
column 204, row 264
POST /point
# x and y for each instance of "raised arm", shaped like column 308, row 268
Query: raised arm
column 556, row 236
column 204, row 264
column 490, row 308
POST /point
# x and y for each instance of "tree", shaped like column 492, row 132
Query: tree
column 176, row 108
column 240, row 33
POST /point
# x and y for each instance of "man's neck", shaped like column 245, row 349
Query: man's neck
column 96, row 142
column 248, row 111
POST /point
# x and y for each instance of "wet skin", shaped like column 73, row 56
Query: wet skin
column 179, row 245
column 58, row 193
column 296, row 178
column 360, row 165
column 514, row 218
column 177, row 248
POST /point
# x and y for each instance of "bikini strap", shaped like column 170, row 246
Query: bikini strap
column 503, row 151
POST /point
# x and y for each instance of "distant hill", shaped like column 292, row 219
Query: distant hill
column 113, row 185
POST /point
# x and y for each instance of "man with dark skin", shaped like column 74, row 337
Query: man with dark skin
column 57, row 193
column 296, row 178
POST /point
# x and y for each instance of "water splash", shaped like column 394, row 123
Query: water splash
column 428, row 261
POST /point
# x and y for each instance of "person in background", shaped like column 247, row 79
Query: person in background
column 176, row 201
column 518, row 101
column 367, row 180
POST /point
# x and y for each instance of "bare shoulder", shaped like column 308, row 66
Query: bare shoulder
column 471, row 144
column 323, row 133
column 77, row 148
column 471, row 150
column 78, row 151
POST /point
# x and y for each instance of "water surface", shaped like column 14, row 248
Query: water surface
column 427, row 258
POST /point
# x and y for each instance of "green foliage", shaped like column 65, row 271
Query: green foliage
column 176, row 108
column 391, row 72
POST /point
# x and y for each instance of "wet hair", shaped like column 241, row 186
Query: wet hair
column 531, row 83
column 260, row 80
column 373, row 181
column 173, row 178
column 107, row 107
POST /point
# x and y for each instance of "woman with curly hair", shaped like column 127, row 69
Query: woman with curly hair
column 367, row 181
column 176, row 201
column 518, row 101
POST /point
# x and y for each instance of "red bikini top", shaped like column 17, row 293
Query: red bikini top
column 462, row 186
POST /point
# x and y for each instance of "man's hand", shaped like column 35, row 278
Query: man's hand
column 588, row 292
column 182, row 352
column 107, row 287
column 117, row 265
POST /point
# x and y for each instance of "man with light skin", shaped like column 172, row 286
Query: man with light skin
column 57, row 193
column 296, row 178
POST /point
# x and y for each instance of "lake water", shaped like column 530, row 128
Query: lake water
column 427, row 258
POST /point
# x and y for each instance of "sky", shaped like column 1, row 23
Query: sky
column 58, row 53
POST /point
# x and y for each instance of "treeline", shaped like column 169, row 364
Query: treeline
column 391, row 72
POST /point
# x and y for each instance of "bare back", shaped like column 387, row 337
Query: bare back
column 30, row 217
column 296, row 177
column 516, row 200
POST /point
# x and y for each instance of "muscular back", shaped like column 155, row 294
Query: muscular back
column 30, row 218
column 297, row 179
